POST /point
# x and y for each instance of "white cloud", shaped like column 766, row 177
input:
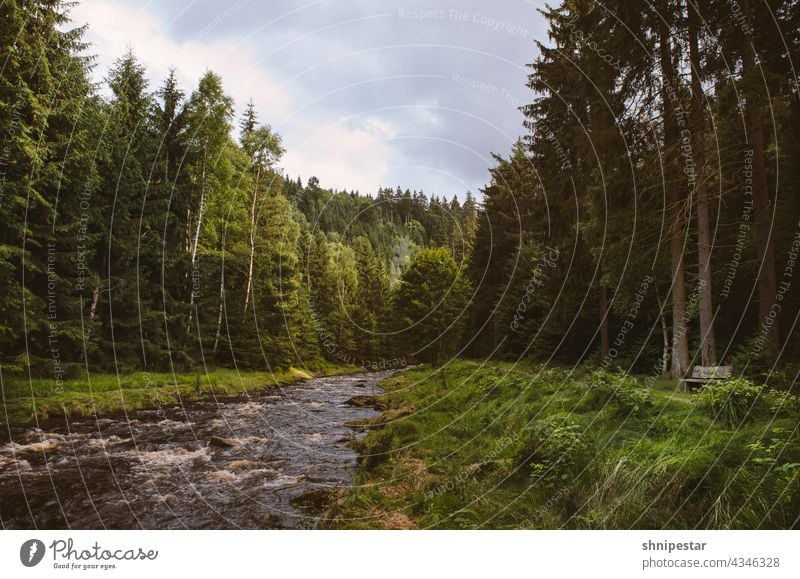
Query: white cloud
column 114, row 27
column 347, row 153
column 306, row 64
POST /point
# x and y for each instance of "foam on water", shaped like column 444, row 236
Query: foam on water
column 233, row 463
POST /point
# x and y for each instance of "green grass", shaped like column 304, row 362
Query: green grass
column 26, row 402
column 492, row 446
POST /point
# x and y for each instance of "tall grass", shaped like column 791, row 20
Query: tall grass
column 504, row 447
column 27, row 401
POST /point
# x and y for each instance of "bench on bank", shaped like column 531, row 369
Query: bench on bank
column 706, row 374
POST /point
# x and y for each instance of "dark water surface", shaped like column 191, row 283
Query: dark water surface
column 246, row 462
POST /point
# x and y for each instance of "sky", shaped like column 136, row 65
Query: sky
column 365, row 93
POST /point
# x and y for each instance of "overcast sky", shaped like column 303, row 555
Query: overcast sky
column 364, row 92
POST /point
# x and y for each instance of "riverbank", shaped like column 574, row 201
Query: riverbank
column 40, row 400
column 488, row 446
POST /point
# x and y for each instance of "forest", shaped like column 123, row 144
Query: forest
column 647, row 221
column 141, row 235
column 662, row 167
column 146, row 229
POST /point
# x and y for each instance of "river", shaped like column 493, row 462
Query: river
column 241, row 462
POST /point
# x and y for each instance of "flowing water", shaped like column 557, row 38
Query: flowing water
column 244, row 462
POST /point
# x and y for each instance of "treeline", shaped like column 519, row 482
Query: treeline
column 389, row 215
column 650, row 218
column 139, row 234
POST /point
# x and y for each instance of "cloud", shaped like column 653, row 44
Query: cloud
column 362, row 92
column 355, row 153
column 114, row 27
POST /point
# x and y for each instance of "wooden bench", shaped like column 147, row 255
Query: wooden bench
column 706, row 374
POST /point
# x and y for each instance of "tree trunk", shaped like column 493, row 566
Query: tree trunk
column 675, row 203
column 252, row 241
column 93, row 305
column 664, row 334
column 187, row 235
column 221, row 297
column 196, row 241
column 767, row 284
column 97, row 290
column 708, row 353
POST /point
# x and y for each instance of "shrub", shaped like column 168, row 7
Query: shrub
column 758, row 365
column 618, row 389
column 732, row 401
column 776, row 457
column 782, row 403
column 556, row 450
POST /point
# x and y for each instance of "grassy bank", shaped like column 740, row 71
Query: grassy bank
column 473, row 446
column 26, row 402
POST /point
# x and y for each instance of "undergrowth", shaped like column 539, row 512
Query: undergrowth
column 498, row 446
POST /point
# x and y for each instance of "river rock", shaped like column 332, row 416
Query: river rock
column 361, row 401
column 220, row 442
column 359, row 424
column 314, row 501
